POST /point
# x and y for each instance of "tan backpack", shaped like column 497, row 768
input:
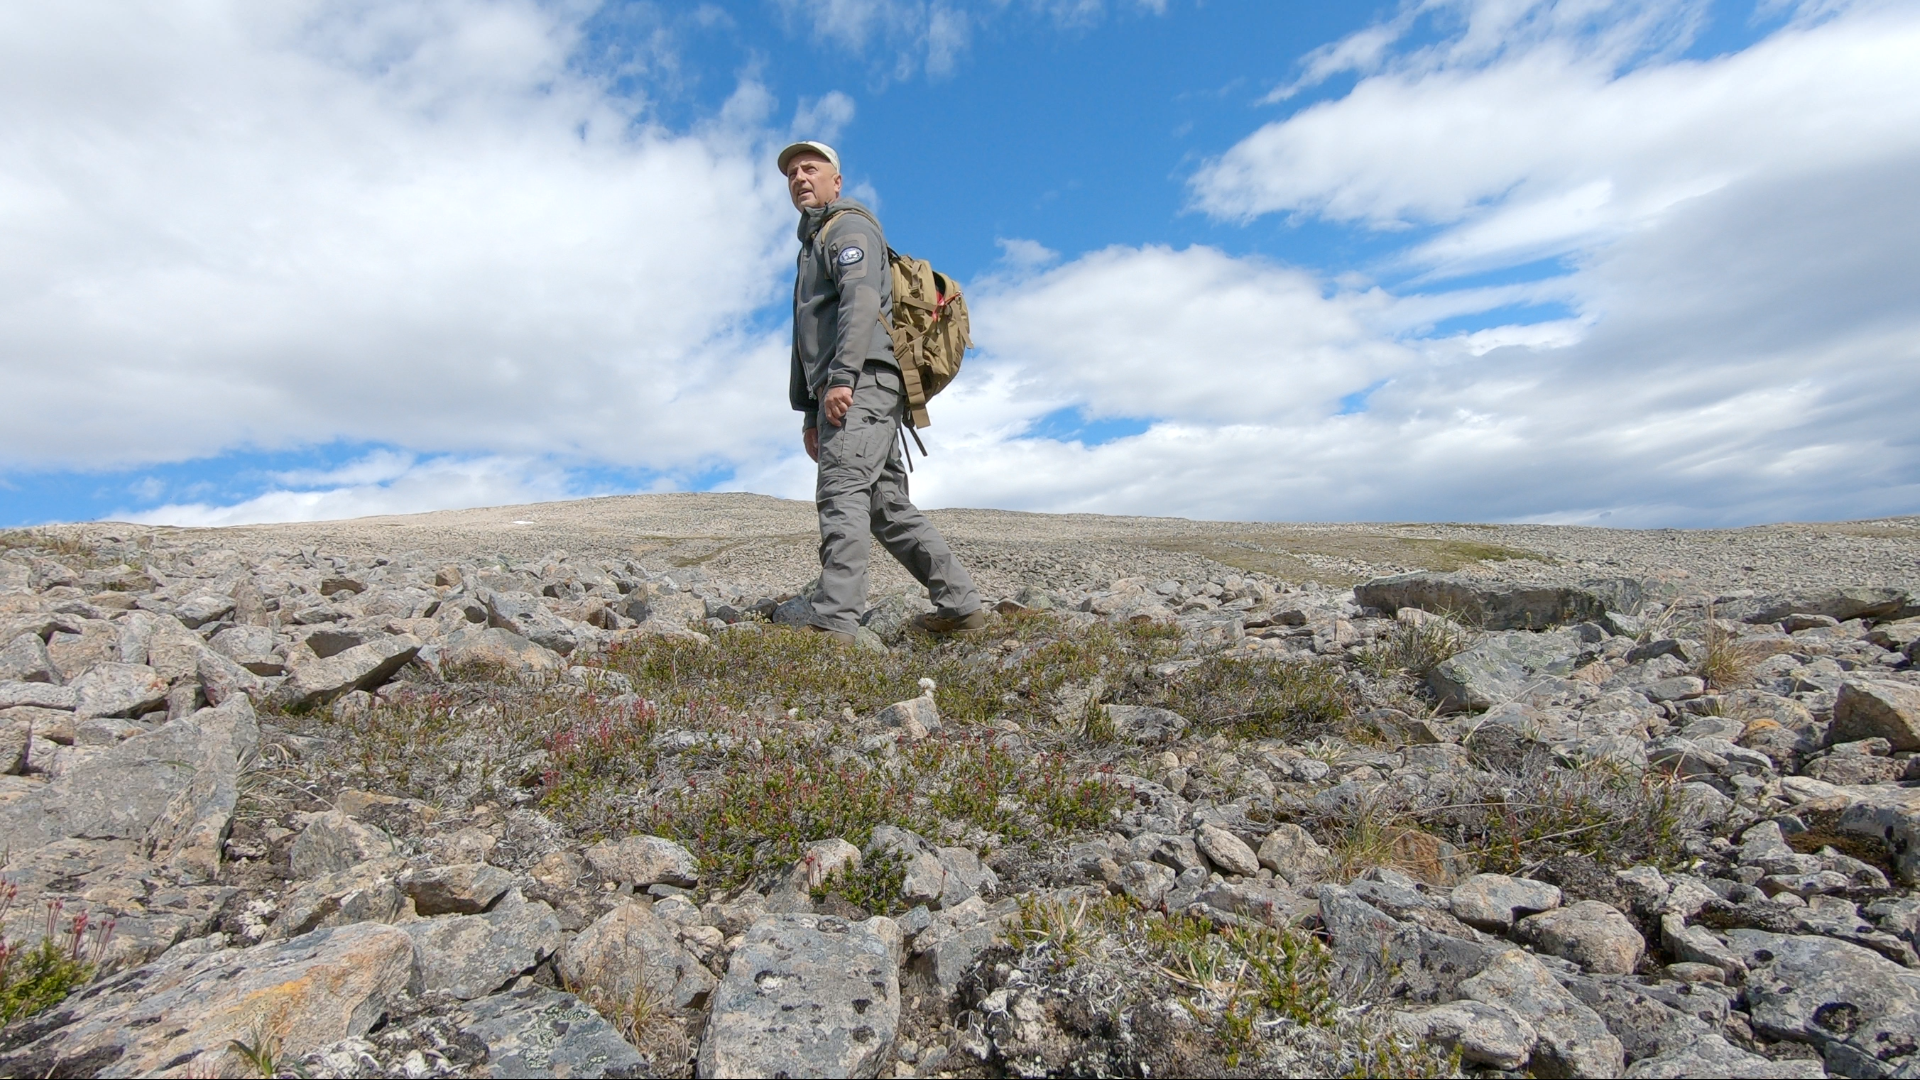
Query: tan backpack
column 929, row 327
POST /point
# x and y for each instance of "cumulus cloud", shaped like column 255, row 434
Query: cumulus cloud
column 385, row 482
column 1740, row 233
column 229, row 224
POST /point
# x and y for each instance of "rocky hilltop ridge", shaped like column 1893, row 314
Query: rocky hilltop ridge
column 457, row 796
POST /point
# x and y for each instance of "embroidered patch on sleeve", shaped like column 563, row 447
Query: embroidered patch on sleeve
column 851, row 255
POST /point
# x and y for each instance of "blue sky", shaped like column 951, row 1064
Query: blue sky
column 1636, row 263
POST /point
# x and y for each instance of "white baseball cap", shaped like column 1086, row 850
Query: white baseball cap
column 820, row 148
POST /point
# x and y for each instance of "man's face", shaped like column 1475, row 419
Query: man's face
column 812, row 181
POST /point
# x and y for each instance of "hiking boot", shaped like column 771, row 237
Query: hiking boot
column 838, row 637
column 941, row 625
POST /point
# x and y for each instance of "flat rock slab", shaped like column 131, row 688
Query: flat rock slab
column 174, row 787
column 1488, row 605
column 1860, row 1009
column 1500, row 667
column 805, row 995
column 176, row 1017
column 470, row 956
column 537, row 1033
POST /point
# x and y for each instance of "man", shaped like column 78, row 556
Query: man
column 847, row 384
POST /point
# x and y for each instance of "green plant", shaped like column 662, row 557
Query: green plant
column 1059, row 932
column 1727, row 662
column 873, row 886
column 260, row 1050
column 36, row 977
column 1416, row 648
column 1260, row 698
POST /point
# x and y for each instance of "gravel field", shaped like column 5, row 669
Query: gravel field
column 760, row 542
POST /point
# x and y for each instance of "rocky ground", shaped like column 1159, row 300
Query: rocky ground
column 561, row 791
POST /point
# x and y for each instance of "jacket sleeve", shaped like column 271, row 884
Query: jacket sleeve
column 798, row 395
column 857, row 261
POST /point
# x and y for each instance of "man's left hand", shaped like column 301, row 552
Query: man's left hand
column 835, row 405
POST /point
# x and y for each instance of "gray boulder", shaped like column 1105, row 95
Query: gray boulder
column 176, row 1015
column 536, row 1033
column 172, row 788
column 1593, row 934
column 314, row 681
column 38, row 695
column 1840, row 604
column 25, row 659
column 1226, row 851
column 1510, row 666
column 252, row 647
column 493, row 647
column 368, row 892
column 113, row 689
column 1712, row 1055
column 1574, row 1041
column 1890, row 815
column 1877, row 709
column 1477, row 602
column 805, row 995
column 630, row 951
column 645, row 860
column 332, row 841
column 1493, row 901
column 1294, row 854
column 524, row 614
column 1485, row 1034
column 472, row 955
column 461, row 889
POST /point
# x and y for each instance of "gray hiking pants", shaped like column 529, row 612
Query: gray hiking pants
column 862, row 491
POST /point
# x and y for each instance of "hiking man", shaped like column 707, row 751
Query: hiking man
column 845, row 381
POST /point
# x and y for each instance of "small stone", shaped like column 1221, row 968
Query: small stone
column 1146, row 883
column 1493, row 901
column 645, row 860
column 1145, row 724
column 1293, row 853
column 1227, row 851
column 465, row 889
column 918, row 717
column 1590, row 933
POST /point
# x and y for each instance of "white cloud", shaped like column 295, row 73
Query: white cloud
column 1742, row 236
column 908, row 36
column 383, row 483
column 228, row 224
column 822, row 119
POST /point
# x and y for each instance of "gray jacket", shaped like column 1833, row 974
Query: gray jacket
column 840, row 289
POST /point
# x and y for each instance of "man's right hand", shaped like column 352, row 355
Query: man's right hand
column 812, row 439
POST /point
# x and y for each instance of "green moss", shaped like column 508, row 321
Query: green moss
column 35, row 979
